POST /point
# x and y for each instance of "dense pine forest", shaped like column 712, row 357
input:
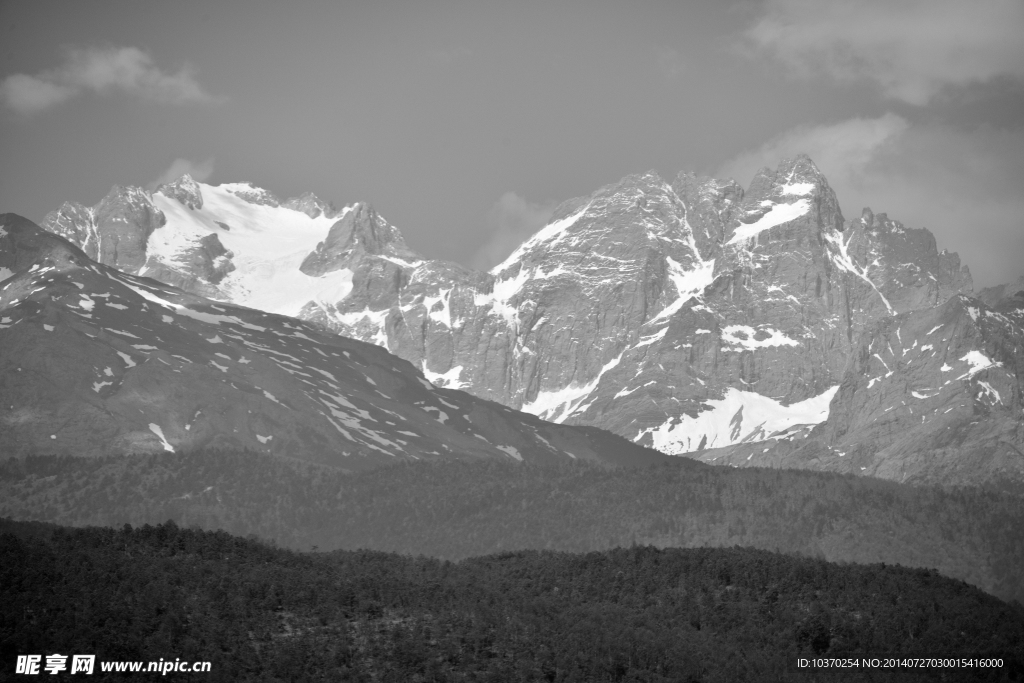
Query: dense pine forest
column 260, row 613
column 457, row 510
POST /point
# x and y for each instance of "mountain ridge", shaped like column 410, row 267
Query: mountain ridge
column 687, row 316
column 97, row 361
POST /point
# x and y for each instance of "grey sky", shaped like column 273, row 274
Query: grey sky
column 464, row 123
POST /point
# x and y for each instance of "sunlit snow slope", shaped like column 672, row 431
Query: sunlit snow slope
column 267, row 243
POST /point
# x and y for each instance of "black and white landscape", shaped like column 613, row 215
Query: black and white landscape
column 682, row 425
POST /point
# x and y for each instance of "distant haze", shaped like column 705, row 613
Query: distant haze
column 466, row 124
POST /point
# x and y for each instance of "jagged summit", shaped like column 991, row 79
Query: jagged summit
column 360, row 232
column 185, row 190
column 311, row 205
column 1007, row 299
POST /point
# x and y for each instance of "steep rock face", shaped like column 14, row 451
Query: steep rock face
column 909, row 271
column 252, row 194
column 686, row 316
column 96, row 361
column 125, row 219
column 930, row 396
column 361, row 232
column 309, row 204
column 75, row 223
column 201, row 266
column 116, row 231
column 185, row 190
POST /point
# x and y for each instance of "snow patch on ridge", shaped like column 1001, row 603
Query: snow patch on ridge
column 510, row 450
column 688, row 283
column 376, row 319
column 743, row 335
column 155, row 428
column 799, row 189
column 651, row 338
column 556, row 406
column 777, row 215
column 740, row 416
column 978, row 362
column 843, row 261
column 443, row 316
column 188, row 312
column 447, row 380
column 553, row 231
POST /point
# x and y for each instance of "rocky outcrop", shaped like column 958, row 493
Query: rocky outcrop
column 309, row 204
column 185, row 190
column 115, row 232
column 930, row 396
column 1007, row 298
column 360, row 233
column 125, row 219
column 75, row 223
column 200, row 267
column 253, row 194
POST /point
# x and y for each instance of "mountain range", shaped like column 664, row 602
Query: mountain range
column 755, row 327
column 95, row 361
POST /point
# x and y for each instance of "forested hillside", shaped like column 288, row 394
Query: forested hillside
column 458, row 510
column 638, row 614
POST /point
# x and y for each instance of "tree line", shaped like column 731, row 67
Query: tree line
column 262, row 613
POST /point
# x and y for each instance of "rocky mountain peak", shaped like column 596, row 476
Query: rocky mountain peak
column 311, row 205
column 125, row 219
column 24, row 248
column 115, row 231
column 903, row 263
column 185, row 190
column 1008, row 298
column 359, row 232
column 73, row 222
column 710, row 206
column 252, row 194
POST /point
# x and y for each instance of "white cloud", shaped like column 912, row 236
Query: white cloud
column 912, row 49
column 179, row 167
column 843, row 151
column 512, row 220
column 963, row 185
column 28, row 94
column 101, row 70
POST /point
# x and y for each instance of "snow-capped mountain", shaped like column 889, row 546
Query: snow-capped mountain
column 688, row 315
column 95, row 361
